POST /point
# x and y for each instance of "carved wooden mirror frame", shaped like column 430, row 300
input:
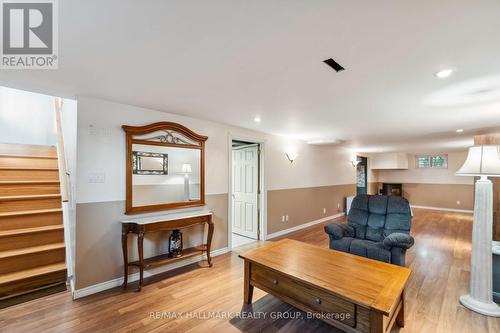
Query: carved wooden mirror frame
column 168, row 139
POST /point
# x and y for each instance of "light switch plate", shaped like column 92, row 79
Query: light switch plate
column 97, row 177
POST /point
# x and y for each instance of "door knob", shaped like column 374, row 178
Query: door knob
column 275, row 281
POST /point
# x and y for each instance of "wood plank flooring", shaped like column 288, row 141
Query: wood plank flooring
column 439, row 259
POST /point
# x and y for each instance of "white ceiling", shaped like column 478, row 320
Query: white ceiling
column 231, row 60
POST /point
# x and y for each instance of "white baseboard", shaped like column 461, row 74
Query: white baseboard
column 79, row 293
column 444, row 209
column 303, row 226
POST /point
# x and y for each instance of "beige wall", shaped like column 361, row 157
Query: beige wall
column 100, row 206
column 373, row 188
column 439, row 188
column 453, row 196
column 305, row 204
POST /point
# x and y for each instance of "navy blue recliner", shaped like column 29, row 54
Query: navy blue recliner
column 378, row 227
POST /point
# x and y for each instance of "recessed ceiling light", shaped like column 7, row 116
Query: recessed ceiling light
column 459, row 130
column 442, row 74
column 256, row 119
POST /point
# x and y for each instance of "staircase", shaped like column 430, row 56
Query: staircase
column 32, row 251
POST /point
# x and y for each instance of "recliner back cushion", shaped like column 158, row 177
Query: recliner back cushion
column 373, row 217
column 398, row 217
column 377, row 208
column 358, row 215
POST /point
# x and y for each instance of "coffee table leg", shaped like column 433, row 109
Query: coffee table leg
column 376, row 322
column 400, row 319
column 247, row 287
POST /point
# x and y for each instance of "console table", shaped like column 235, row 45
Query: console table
column 142, row 226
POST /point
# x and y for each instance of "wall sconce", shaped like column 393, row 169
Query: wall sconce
column 291, row 156
column 355, row 162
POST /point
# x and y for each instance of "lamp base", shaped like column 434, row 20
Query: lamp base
column 488, row 309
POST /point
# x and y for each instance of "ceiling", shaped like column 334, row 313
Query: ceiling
column 231, row 60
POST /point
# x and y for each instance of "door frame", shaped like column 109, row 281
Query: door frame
column 262, row 197
column 364, row 160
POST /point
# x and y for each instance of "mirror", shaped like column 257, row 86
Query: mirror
column 165, row 167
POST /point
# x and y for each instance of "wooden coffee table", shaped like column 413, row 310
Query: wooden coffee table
column 350, row 292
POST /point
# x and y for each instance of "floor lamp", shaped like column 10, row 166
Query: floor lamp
column 482, row 161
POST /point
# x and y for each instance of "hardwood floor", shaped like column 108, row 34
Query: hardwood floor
column 439, row 260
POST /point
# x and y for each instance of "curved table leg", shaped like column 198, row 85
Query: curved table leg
column 125, row 256
column 209, row 240
column 140, row 247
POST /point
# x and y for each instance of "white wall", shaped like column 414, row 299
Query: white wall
column 69, row 130
column 26, row 118
column 101, row 149
column 428, row 176
column 389, row 161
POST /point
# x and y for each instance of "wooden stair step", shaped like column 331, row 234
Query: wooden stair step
column 31, row 257
column 28, row 173
column 31, row 150
column 29, row 197
column 27, row 187
column 30, row 218
column 29, row 168
column 49, row 157
column 16, row 232
column 24, row 161
column 30, row 250
column 21, row 202
column 31, row 212
column 29, row 237
column 24, row 281
column 29, row 182
column 29, row 273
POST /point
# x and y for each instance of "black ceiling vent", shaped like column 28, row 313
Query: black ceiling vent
column 333, row 64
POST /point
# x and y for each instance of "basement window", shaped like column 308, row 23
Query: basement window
column 439, row 161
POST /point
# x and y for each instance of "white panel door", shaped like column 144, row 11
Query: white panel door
column 245, row 191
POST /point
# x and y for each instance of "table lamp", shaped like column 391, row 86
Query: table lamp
column 186, row 170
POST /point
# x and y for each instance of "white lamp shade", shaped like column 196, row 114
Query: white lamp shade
column 483, row 160
column 186, row 168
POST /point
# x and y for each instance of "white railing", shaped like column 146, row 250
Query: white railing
column 65, row 189
column 67, row 204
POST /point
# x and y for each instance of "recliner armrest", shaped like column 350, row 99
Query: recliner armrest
column 339, row 230
column 398, row 239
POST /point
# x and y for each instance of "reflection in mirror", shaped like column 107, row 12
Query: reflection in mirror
column 145, row 163
column 164, row 174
